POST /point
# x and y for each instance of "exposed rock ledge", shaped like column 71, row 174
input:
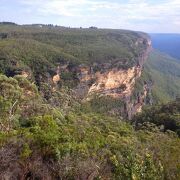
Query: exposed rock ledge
column 109, row 80
column 115, row 83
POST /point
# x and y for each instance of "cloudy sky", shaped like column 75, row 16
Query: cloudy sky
column 143, row 15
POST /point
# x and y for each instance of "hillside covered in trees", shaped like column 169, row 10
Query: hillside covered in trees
column 86, row 104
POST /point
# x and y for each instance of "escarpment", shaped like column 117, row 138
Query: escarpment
column 90, row 63
column 114, row 82
column 110, row 80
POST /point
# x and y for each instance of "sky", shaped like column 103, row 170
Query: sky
column 152, row 16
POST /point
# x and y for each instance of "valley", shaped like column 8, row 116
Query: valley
column 168, row 43
column 87, row 103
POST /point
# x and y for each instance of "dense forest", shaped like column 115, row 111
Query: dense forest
column 51, row 128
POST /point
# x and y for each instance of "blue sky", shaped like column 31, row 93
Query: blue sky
column 143, row 15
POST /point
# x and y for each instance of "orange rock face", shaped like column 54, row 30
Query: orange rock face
column 56, row 78
column 25, row 74
column 114, row 82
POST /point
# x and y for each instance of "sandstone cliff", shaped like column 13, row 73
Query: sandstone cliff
column 108, row 79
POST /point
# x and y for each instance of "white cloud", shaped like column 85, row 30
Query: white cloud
column 116, row 13
column 68, row 7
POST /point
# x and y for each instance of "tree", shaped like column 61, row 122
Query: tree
column 10, row 94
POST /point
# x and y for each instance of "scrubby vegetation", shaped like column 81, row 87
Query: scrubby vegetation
column 164, row 72
column 166, row 116
column 37, row 141
column 47, row 132
column 64, row 44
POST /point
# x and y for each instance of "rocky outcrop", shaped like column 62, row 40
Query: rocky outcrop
column 143, row 98
column 109, row 79
column 116, row 82
column 56, row 78
column 25, row 74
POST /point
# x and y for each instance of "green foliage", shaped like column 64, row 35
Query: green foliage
column 38, row 141
column 144, row 79
column 9, row 88
column 114, row 149
column 9, row 99
column 69, row 79
column 42, row 48
column 45, row 133
column 166, row 116
column 17, row 55
column 165, row 73
column 103, row 104
column 26, row 152
column 82, row 143
column 19, row 101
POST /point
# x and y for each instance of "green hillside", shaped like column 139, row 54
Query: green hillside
column 166, row 116
column 165, row 74
column 38, row 141
column 48, row 132
column 17, row 55
column 88, row 45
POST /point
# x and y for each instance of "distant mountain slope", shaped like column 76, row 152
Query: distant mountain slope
column 88, row 61
column 87, row 45
column 168, row 43
column 65, row 96
column 165, row 73
column 91, row 62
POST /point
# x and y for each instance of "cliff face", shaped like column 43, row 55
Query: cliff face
column 104, row 63
column 115, row 82
column 118, row 83
column 110, row 80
